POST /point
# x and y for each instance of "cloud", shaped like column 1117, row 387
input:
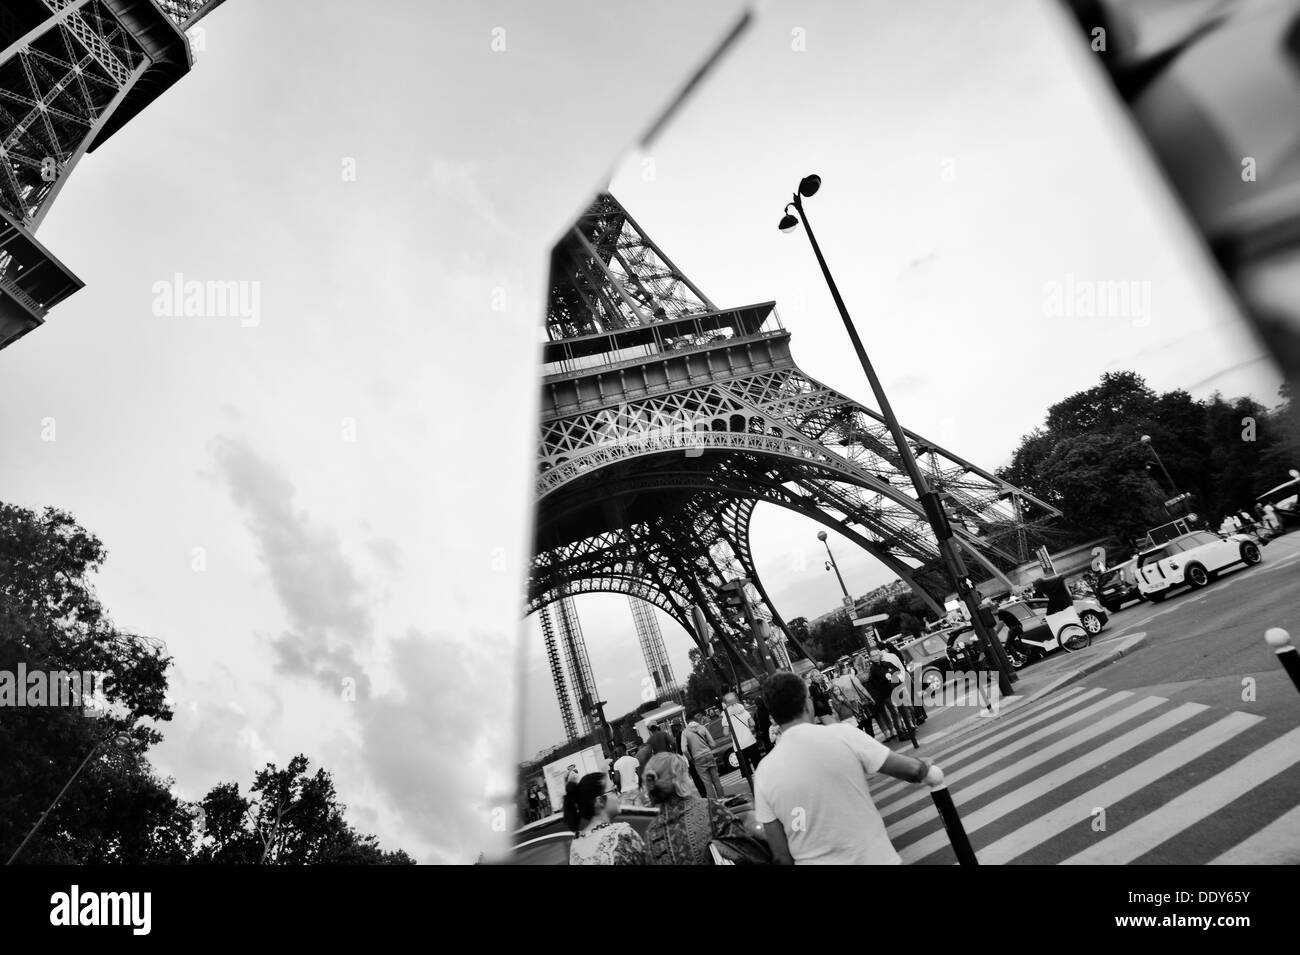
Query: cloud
column 427, row 744
column 428, row 758
column 386, row 551
column 322, row 595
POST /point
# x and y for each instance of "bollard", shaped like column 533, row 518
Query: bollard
column 1280, row 641
column 951, row 821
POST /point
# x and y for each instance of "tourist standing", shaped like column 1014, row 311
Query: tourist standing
column 812, row 794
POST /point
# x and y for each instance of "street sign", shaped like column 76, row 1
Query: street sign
column 848, row 602
column 1045, row 561
column 870, row 621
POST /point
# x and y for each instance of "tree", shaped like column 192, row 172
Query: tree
column 288, row 818
column 117, row 810
column 834, row 636
column 1088, row 458
column 703, row 688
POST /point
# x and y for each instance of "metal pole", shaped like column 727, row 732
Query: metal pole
column 50, row 808
column 1164, row 469
column 951, row 821
column 836, row 566
column 1280, row 641
column 926, row 497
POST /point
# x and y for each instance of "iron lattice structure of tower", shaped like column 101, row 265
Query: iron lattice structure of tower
column 657, row 663
column 557, row 675
column 575, row 654
column 666, row 420
column 72, row 73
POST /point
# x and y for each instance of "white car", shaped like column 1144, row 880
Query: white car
column 1194, row 559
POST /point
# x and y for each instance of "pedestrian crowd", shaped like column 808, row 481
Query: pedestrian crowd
column 811, row 751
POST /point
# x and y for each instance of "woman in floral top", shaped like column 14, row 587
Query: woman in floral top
column 590, row 807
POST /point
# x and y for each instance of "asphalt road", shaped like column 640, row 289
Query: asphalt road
column 1185, row 749
column 1208, row 645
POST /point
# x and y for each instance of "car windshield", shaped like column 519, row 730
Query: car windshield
column 933, row 644
column 1110, row 577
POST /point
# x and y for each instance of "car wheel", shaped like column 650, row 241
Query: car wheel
column 1091, row 622
column 1072, row 638
column 1196, row 576
column 931, row 679
column 1250, row 553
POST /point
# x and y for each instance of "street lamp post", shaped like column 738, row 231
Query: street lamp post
column 926, row 496
column 1146, row 439
column 116, row 739
column 848, row 601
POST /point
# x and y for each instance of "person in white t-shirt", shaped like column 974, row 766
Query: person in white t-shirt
column 811, row 793
column 629, row 772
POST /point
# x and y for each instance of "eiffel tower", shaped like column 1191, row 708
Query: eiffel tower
column 72, row 73
column 665, row 420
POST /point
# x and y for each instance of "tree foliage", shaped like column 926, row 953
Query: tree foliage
column 117, row 810
column 1088, row 458
column 288, row 818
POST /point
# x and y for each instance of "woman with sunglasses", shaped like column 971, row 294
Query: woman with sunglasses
column 590, row 807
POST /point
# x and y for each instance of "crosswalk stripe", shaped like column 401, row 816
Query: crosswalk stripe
column 1004, row 748
column 982, row 784
column 1112, row 791
column 1197, row 803
column 965, row 749
column 1008, row 711
column 1042, row 785
column 1278, row 843
column 999, row 725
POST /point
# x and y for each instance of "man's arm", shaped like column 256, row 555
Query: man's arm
column 774, row 833
column 906, row 768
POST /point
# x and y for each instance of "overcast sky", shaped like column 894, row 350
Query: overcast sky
column 339, row 494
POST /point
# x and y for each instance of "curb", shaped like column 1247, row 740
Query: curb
column 1018, row 701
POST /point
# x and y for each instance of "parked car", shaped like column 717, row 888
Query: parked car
column 1194, row 559
column 1118, row 585
column 964, row 650
column 926, row 654
column 1092, row 615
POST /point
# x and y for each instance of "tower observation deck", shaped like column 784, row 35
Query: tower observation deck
column 72, row 73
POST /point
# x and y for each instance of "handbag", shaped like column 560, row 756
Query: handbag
column 743, row 849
